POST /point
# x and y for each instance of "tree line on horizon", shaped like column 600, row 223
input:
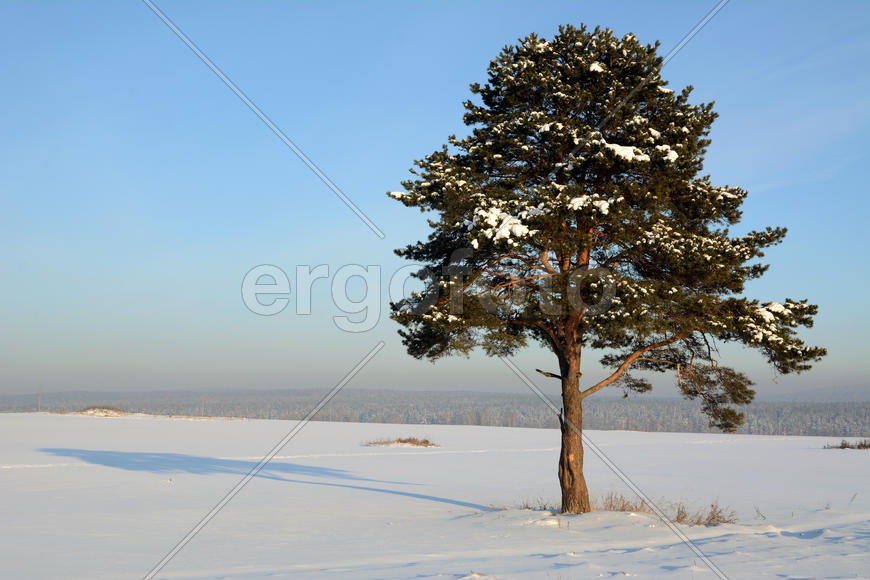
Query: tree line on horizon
column 465, row 408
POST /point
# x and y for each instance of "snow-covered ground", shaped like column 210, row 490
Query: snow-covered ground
column 108, row 497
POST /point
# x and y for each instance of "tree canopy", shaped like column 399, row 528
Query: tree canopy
column 575, row 213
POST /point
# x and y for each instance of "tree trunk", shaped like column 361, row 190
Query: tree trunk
column 575, row 494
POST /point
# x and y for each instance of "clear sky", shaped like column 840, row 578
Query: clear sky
column 136, row 190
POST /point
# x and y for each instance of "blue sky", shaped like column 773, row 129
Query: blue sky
column 136, row 190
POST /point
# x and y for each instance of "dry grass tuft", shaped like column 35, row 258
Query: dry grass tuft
column 539, row 505
column 617, row 502
column 678, row 513
column 399, row 441
column 713, row 517
column 103, row 411
column 844, row 444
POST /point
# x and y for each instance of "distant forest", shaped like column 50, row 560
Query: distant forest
column 463, row 408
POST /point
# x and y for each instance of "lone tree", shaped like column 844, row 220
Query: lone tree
column 586, row 223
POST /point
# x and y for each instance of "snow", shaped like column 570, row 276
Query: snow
column 627, row 152
column 506, row 226
column 602, row 205
column 107, row 497
column 669, row 153
column 768, row 317
column 777, row 307
column 578, row 202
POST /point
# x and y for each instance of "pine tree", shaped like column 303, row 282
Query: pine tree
column 575, row 215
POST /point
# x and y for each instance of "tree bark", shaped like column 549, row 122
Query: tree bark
column 575, row 494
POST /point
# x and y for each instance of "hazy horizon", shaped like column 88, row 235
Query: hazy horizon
column 832, row 394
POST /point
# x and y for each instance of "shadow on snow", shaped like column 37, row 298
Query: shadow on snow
column 275, row 470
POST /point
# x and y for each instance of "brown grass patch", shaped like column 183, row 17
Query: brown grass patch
column 678, row 513
column 104, row 411
column 402, row 441
column 844, row 444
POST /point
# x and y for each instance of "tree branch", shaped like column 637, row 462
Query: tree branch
column 658, row 360
column 625, row 364
column 548, row 374
column 545, row 260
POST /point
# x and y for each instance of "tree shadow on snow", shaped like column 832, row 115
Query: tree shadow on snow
column 275, row 470
column 196, row 464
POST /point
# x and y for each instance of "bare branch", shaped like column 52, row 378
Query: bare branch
column 548, row 374
column 630, row 359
